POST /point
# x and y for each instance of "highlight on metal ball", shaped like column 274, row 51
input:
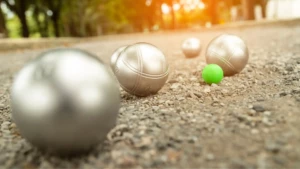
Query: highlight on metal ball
column 191, row 47
column 142, row 69
column 230, row 52
column 115, row 56
column 65, row 101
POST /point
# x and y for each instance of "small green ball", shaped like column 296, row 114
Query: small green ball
column 212, row 73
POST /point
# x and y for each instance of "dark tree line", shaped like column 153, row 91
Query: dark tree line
column 82, row 18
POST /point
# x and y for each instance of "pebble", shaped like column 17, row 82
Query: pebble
column 258, row 108
column 214, row 85
column 175, row 86
column 273, row 146
column 210, row 157
column 267, row 113
column 155, row 108
column 289, row 68
column 181, row 98
column 254, row 131
column 207, row 90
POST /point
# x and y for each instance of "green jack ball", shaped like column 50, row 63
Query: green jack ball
column 212, row 73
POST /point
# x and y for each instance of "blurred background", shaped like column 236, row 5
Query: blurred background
column 86, row 18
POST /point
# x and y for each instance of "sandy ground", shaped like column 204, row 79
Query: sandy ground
column 250, row 120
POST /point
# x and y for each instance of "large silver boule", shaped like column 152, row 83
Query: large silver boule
column 229, row 52
column 142, row 69
column 115, row 56
column 65, row 101
column 191, row 47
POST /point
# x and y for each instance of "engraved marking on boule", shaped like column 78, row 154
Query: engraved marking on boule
column 145, row 74
column 140, row 65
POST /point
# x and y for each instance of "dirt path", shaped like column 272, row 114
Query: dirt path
column 250, row 120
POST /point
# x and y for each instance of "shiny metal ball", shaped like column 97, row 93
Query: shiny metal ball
column 65, row 101
column 229, row 52
column 115, row 56
column 142, row 69
column 191, row 47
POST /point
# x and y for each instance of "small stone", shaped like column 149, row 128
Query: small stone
column 126, row 161
column 169, row 102
column 173, row 155
column 122, row 109
column 192, row 95
column 210, row 157
column 281, row 160
column 207, row 90
column 130, row 107
column 192, row 139
column 224, row 91
column 155, row 108
column 214, row 85
column 193, row 79
column 161, row 146
column 258, row 108
column 181, row 98
column 145, row 101
column 260, row 99
column 267, row 113
column 252, row 112
column 144, row 142
column 289, row 68
column 199, row 95
column 161, row 101
column 254, row 131
column 175, row 86
column 238, row 163
column 266, row 121
column 282, row 94
column 273, row 147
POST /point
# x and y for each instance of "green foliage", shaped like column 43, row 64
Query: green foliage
column 13, row 25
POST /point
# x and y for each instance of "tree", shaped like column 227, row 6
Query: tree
column 41, row 17
column 263, row 4
column 170, row 3
column 3, row 29
column 248, row 9
column 55, row 6
column 19, row 7
column 212, row 10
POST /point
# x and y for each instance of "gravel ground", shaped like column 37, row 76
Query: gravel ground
column 250, row 120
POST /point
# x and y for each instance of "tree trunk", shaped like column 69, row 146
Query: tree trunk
column 3, row 30
column 248, row 9
column 25, row 30
column 173, row 24
column 263, row 4
column 56, row 9
column 80, row 11
column 22, row 16
column 213, row 4
column 161, row 19
column 56, row 24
